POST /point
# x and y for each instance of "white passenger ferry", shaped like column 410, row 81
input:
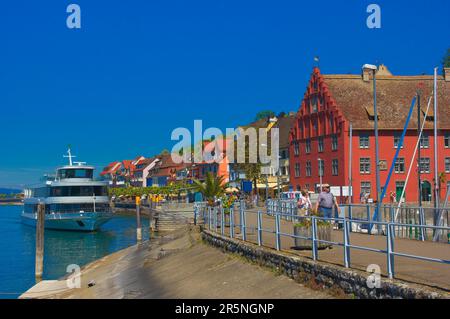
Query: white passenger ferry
column 73, row 199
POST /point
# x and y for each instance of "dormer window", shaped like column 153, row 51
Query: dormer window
column 430, row 115
column 371, row 114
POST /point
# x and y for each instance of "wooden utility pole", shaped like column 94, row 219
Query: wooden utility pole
column 138, row 219
column 40, row 222
column 150, row 216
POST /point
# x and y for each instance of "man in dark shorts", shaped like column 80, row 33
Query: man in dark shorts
column 325, row 202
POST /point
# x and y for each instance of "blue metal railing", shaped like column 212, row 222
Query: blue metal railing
column 208, row 214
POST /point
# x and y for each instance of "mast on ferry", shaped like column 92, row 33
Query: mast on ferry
column 70, row 156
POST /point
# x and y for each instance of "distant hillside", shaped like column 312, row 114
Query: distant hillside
column 10, row 191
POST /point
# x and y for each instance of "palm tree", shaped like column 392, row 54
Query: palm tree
column 212, row 188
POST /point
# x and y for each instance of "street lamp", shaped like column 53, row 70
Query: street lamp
column 278, row 178
column 374, row 68
column 267, row 178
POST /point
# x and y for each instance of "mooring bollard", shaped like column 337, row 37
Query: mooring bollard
column 138, row 219
column 40, row 222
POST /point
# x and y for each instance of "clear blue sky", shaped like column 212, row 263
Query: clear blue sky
column 138, row 69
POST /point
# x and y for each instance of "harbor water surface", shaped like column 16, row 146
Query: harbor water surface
column 62, row 248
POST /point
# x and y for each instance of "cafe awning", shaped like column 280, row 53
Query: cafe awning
column 269, row 185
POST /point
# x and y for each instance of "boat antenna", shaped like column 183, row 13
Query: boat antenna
column 69, row 155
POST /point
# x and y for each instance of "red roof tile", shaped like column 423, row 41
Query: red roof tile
column 354, row 97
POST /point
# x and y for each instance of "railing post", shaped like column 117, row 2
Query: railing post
column 204, row 209
column 390, row 249
column 244, row 226
column 277, row 231
column 232, row 221
column 222, row 221
column 369, row 229
column 195, row 214
column 350, row 216
column 422, row 223
column 216, row 218
column 346, row 244
column 259, row 228
column 241, row 224
column 294, row 210
column 314, row 237
column 209, row 218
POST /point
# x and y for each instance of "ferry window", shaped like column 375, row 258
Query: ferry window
column 40, row 192
column 59, row 191
column 101, row 191
column 75, row 173
column 76, row 208
column 86, row 191
column 79, row 191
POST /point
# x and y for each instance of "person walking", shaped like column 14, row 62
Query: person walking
column 307, row 205
column 393, row 197
column 326, row 202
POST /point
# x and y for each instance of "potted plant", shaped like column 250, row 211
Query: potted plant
column 304, row 228
column 227, row 203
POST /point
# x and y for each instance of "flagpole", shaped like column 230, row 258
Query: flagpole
column 436, row 168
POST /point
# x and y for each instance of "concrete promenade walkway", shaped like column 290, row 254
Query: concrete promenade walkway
column 412, row 270
column 176, row 266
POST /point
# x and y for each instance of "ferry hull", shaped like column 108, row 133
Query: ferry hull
column 88, row 221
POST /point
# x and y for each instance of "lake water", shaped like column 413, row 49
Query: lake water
column 62, row 248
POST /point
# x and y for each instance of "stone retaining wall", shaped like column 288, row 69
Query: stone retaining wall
column 348, row 281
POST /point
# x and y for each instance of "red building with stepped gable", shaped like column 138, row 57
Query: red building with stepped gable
column 321, row 131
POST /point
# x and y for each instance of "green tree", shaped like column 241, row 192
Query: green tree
column 252, row 172
column 446, row 60
column 264, row 114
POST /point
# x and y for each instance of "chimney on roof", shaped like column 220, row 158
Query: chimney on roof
column 366, row 75
column 383, row 70
column 447, row 74
column 367, row 71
